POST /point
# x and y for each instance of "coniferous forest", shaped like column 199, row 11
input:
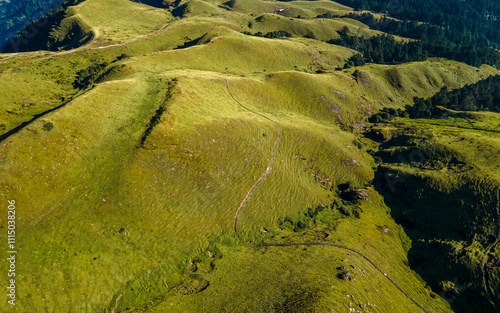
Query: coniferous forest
column 475, row 22
column 430, row 41
column 35, row 35
column 16, row 14
column 481, row 96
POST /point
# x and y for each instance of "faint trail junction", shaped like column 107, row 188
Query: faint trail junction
column 271, row 161
column 343, row 248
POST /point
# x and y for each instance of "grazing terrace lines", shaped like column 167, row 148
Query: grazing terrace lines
column 271, row 161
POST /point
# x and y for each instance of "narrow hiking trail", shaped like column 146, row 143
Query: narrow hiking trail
column 271, row 161
column 343, row 248
column 267, row 171
column 48, row 54
column 87, row 46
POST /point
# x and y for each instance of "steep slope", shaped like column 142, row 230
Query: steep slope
column 440, row 177
column 16, row 14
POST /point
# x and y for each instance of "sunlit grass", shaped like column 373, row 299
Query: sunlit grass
column 109, row 217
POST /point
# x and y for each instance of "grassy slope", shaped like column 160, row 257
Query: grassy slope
column 121, row 22
column 108, row 214
column 304, row 9
column 453, row 205
column 283, row 276
column 322, row 29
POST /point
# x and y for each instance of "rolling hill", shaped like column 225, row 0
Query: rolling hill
column 189, row 157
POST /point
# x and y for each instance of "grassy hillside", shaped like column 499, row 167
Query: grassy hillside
column 440, row 177
column 177, row 163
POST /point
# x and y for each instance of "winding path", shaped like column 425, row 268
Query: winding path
column 343, row 248
column 271, row 161
column 49, row 54
column 243, row 202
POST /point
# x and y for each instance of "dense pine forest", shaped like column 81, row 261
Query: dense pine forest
column 386, row 49
column 35, row 35
column 476, row 21
column 16, row 14
column 481, row 96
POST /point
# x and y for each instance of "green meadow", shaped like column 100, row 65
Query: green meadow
column 127, row 185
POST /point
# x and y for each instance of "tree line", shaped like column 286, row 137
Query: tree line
column 475, row 22
column 412, row 29
column 432, row 41
column 273, row 34
column 481, row 96
column 385, row 49
column 16, row 14
column 35, row 35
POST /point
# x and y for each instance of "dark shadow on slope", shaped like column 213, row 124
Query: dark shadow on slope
column 15, row 15
column 36, row 117
column 83, row 83
column 441, row 225
column 190, row 43
column 156, row 118
column 180, row 11
column 70, row 33
column 153, row 3
column 297, row 299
